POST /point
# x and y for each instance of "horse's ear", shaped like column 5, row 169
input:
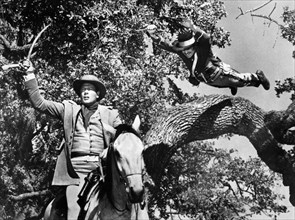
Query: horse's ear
column 136, row 123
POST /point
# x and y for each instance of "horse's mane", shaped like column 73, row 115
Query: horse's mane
column 123, row 128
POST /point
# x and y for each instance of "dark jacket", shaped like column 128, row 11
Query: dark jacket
column 203, row 49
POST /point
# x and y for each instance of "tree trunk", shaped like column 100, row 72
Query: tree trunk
column 211, row 116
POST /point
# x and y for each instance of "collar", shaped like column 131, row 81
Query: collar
column 92, row 107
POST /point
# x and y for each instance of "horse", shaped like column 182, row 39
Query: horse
column 122, row 193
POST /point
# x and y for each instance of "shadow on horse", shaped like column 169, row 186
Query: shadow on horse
column 121, row 195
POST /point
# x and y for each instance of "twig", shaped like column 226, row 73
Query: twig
column 275, row 6
column 133, row 58
column 268, row 18
column 252, row 10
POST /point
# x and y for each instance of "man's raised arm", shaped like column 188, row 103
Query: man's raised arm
column 159, row 40
column 200, row 35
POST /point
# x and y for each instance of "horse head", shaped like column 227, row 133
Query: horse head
column 128, row 166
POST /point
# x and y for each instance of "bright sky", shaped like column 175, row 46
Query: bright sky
column 254, row 46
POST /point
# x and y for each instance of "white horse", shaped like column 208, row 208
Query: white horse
column 122, row 195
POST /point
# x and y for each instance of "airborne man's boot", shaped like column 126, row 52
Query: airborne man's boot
column 258, row 79
column 263, row 80
column 233, row 90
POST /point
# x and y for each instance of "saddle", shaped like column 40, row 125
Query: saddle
column 93, row 184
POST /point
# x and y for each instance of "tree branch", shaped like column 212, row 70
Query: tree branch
column 268, row 18
column 135, row 60
column 252, row 10
column 273, row 10
column 29, row 195
column 5, row 42
column 10, row 48
column 214, row 115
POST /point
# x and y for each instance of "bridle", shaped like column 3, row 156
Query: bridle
column 124, row 178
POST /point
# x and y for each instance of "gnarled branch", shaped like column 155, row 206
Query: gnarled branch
column 214, row 115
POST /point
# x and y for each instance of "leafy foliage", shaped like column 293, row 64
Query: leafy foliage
column 214, row 185
column 288, row 32
column 107, row 40
column 286, row 86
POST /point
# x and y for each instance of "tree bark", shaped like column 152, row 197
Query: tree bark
column 214, row 115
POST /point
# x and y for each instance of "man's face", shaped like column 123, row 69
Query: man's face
column 189, row 52
column 89, row 94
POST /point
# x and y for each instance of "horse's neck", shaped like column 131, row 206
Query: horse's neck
column 119, row 196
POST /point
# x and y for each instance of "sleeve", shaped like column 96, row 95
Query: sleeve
column 54, row 109
column 161, row 43
column 200, row 35
column 117, row 118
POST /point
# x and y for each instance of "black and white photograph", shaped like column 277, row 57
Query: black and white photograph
column 147, row 110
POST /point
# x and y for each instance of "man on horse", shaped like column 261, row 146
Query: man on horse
column 194, row 48
column 87, row 132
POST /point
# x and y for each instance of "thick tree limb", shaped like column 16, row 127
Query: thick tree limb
column 214, row 115
column 280, row 123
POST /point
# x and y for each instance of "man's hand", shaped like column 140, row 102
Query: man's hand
column 104, row 154
column 151, row 29
column 185, row 22
column 26, row 66
column 193, row 81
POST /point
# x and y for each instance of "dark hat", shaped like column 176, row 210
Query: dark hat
column 93, row 80
column 184, row 41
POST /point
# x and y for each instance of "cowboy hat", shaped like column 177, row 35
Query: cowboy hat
column 184, row 41
column 94, row 81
